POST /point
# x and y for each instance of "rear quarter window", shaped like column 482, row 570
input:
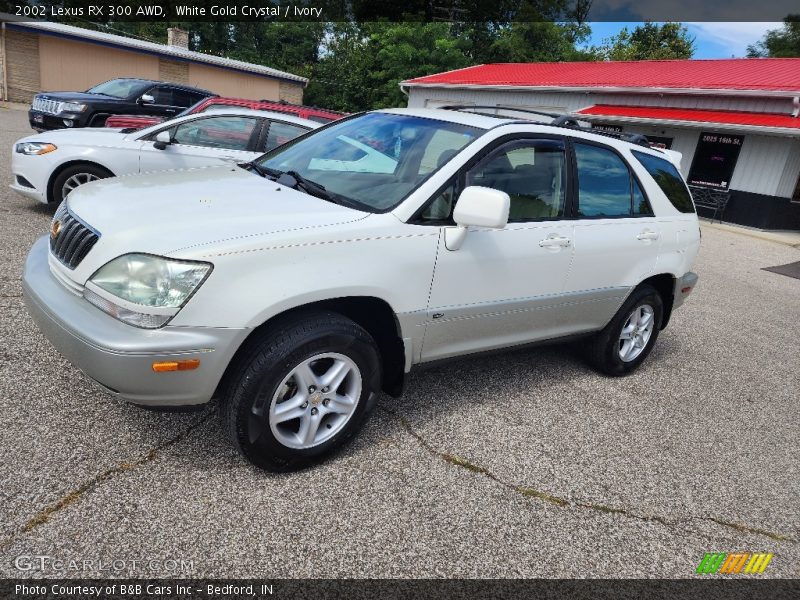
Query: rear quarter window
column 668, row 179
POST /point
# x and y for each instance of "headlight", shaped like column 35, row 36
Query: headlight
column 72, row 107
column 145, row 290
column 34, row 148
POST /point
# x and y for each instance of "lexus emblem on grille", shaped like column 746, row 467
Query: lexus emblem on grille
column 55, row 228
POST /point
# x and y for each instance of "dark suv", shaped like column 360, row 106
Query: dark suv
column 59, row 110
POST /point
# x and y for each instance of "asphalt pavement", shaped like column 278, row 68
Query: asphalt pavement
column 520, row 464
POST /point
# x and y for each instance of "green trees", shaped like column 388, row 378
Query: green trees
column 649, row 41
column 779, row 43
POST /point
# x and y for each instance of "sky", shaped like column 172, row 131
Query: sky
column 712, row 40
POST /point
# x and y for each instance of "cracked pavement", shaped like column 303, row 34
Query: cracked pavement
column 521, row 464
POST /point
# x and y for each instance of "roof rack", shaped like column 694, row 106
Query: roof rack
column 558, row 120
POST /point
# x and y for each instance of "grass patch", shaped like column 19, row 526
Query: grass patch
column 533, row 493
column 464, row 464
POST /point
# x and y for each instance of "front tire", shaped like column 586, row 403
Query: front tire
column 629, row 338
column 301, row 391
column 72, row 177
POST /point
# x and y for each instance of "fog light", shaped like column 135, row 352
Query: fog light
column 67, row 122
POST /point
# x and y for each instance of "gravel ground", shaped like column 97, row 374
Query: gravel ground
column 524, row 464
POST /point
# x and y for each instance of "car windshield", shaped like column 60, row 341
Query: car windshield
column 118, row 88
column 374, row 160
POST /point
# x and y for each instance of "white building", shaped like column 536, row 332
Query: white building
column 735, row 121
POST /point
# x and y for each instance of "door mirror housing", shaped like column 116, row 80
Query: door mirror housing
column 477, row 207
column 147, row 99
column 162, row 140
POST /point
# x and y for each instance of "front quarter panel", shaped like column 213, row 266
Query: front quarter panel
column 254, row 280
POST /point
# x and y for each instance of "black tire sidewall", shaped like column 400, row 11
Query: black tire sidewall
column 62, row 177
column 610, row 361
column 272, row 365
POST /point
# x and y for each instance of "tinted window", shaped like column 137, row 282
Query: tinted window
column 441, row 208
column 319, row 119
column 531, row 172
column 668, row 179
column 119, row 88
column 184, row 98
column 162, row 95
column 604, row 183
column 280, row 133
column 641, row 207
column 380, row 153
column 232, row 133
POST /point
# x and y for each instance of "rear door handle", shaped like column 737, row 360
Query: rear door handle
column 554, row 240
column 647, row 235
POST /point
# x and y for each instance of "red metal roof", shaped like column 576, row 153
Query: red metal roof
column 765, row 74
column 700, row 116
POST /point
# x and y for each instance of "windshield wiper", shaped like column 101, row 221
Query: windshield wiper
column 263, row 171
column 293, row 179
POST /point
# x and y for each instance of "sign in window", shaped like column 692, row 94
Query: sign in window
column 715, row 159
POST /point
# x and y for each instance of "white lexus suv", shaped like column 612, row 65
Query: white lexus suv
column 298, row 286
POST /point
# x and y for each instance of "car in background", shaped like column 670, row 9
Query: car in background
column 320, row 115
column 48, row 166
column 66, row 110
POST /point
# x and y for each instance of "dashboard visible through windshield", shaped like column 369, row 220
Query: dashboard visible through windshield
column 373, row 160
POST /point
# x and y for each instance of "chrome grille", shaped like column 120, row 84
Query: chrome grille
column 46, row 105
column 72, row 240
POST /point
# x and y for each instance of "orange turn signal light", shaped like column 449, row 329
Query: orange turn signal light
column 176, row 365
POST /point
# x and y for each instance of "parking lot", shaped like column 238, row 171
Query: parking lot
column 521, row 464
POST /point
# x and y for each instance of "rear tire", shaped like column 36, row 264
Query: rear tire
column 628, row 339
column 301, row 391
column 75, row 176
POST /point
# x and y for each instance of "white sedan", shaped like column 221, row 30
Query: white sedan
column 48, row 166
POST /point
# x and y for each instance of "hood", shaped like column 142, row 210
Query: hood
column 91, row 136
column 166, row 213
column 80, row 97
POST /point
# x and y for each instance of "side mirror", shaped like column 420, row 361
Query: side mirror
column 162, row 140
column 147, row 99
column 477, row 207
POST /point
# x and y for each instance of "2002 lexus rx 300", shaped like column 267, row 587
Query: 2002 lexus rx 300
column 297, row 287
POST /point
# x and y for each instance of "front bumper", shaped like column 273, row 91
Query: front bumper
column 41, row 121
column 118, row 356
column 683, row 287
column 30, row 174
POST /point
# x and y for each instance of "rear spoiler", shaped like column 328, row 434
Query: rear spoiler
column 674, row 157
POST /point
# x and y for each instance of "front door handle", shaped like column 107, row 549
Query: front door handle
column 647, row 235
column 554, row 240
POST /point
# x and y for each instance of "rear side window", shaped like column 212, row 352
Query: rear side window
column 280, row 133
column 604, row 183
column 668, row 179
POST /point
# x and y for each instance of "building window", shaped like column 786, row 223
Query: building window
column 715, row 159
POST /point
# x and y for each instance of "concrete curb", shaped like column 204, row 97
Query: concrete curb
column 14, row 105
column 787, row 238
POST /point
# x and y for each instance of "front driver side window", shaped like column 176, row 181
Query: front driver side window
column 228, row 132
column 531, row 172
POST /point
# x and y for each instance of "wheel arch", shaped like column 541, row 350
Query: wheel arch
column 98, row 115
column 664, row 283
column 374, row 314
column 66, row 165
